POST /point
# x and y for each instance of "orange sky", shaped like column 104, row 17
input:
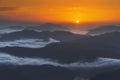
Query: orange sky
column 60, row 10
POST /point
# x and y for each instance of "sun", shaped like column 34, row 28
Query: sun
column 77, row 21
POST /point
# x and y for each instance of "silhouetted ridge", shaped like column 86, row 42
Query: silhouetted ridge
column 109, row 75
column 45, row 35
column 44, row 72
column 104, row 29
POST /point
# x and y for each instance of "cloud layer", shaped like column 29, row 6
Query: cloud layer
column 30, row 43
column 99, row 63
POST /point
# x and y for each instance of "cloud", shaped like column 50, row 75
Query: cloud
column 98, row 63
column 8, row 8
column 30, row 43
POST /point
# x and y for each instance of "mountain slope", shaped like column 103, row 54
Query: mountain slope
column 109, row 75
column 45, row 35
column 44, row 72
column 88, row 48
column 104, row 29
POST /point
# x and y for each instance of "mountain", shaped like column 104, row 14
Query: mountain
column 49, row 27
column 14, row 27
column 44, row 72
column 88, row 48
column 40, row 27
column 104, row 29
column 109, row 75
column 45, row 35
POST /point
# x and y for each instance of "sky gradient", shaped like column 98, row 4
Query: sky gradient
column 65, row 11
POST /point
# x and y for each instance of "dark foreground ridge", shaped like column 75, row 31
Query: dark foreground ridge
column 110, row 75
column 44, row 72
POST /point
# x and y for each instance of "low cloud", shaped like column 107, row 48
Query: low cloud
column 99, row 63
column 29, row 43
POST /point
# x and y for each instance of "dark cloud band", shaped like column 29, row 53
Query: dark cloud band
column 8, row 8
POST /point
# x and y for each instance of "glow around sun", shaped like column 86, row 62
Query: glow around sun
column 77, row 21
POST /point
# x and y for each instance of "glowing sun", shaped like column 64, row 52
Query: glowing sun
column 77, row 21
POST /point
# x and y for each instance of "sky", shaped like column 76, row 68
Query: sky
column 59, row 11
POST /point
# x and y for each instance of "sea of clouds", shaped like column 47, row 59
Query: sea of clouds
column 14, row 60
column 29, row 43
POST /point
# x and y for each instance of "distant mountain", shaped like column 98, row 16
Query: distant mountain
column 109, row 75
column 88, row 48
column 49, row 27
column 45, row 35
column 104, row 29
column 44, row 72
column 15, row 27
column 40, row 27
